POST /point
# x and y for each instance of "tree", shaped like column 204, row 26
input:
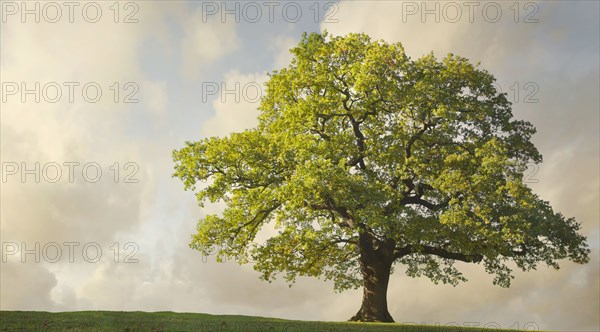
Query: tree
column 364, row 158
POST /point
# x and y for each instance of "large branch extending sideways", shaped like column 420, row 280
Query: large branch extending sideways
column 419, row 201
column 451, row 255
column 407, row 250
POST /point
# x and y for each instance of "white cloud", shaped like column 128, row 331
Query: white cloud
column 281, row 46
column 236, row 104
column 154, row 94
column 206, row 40
column 20, row 281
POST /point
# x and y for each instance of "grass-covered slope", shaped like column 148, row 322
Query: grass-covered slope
column 172, row 321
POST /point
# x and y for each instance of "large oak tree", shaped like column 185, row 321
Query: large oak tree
column 365, row 158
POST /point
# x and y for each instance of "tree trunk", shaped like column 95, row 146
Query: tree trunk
column 375, row 265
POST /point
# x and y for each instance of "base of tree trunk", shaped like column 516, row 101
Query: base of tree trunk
column 370, row 316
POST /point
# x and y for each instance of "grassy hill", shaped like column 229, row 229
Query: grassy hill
column 172, row 321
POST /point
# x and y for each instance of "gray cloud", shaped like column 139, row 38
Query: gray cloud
column 19, row 281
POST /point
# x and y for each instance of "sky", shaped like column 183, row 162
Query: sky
column 96, row 96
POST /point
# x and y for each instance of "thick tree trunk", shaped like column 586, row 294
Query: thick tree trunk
column 375, row 264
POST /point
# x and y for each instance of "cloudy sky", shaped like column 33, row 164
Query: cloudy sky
column 86, row 168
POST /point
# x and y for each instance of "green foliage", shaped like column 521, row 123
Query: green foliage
column 354, row 135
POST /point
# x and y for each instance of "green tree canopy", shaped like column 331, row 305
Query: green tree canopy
column 363, row 158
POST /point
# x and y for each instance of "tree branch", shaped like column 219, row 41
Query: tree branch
column 401, row 252
column 256, row 220
column 413, row 139
column 360, row 138
column 407, row 250
column 417, row 200
column 451, row 255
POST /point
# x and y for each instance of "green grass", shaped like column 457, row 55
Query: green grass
column 172, row 321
